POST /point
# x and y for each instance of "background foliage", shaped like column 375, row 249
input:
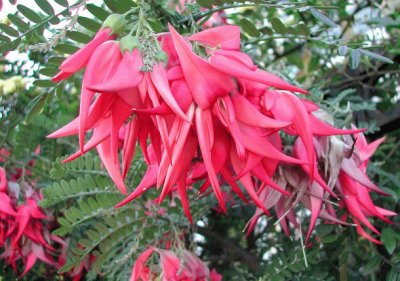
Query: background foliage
column 341, row 51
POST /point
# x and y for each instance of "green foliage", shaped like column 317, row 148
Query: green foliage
column 293, row 266
column 89, row 217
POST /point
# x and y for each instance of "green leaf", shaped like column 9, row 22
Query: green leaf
column 86, row 243
column 98, row 12
column 44, row 83
column 322, row 17
column 61, row 231
column 291, row 30
column 66, row 48
column 113, row 6
column 329, row 238
column 45, row 6
column 393, row 275
column 37, row 106
column 67, row 267
column 78, row 36
column 324, row 229
column 55, row 60
column 372, row 265
column 277, row 278
column 286, row 273
column 266, row 30
column 9, row 30
column 125, row 5
column 205, row 3
column 375, row 56
column 156, row 25
column 55, row 20
column 63, row 3
column 29, row 14
column 388, row 239
column 278, row 26
column 89, row 24
column 4, row 38
column 9, row 46
column 249, row 27
column 355, row 58
column 50, row 98
column 23, row 26
column 60, row 91
column 303, row 29
column 48, row 71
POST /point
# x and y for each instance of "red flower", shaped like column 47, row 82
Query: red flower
column 201, row 129
column 23, row 232
column 187, row 268
column 352, row 188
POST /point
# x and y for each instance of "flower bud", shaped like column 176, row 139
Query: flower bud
column 9, row 87
column 116, row 22
column 128, row 43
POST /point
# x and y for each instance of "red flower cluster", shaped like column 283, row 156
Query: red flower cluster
column 213, row 118
column 355, row 187
column 172, row 268
column 25, row 230
column 348, row 179
column 23, row 234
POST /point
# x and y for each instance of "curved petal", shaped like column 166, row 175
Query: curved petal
column 126, row 76
column 203, row 80
column 225, row 36
column 79, row 59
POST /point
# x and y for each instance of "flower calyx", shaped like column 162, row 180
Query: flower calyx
column 129, row 43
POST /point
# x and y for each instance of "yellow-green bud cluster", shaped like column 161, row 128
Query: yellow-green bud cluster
column 11, row 85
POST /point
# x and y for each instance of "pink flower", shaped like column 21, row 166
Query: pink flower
column 188, row 267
